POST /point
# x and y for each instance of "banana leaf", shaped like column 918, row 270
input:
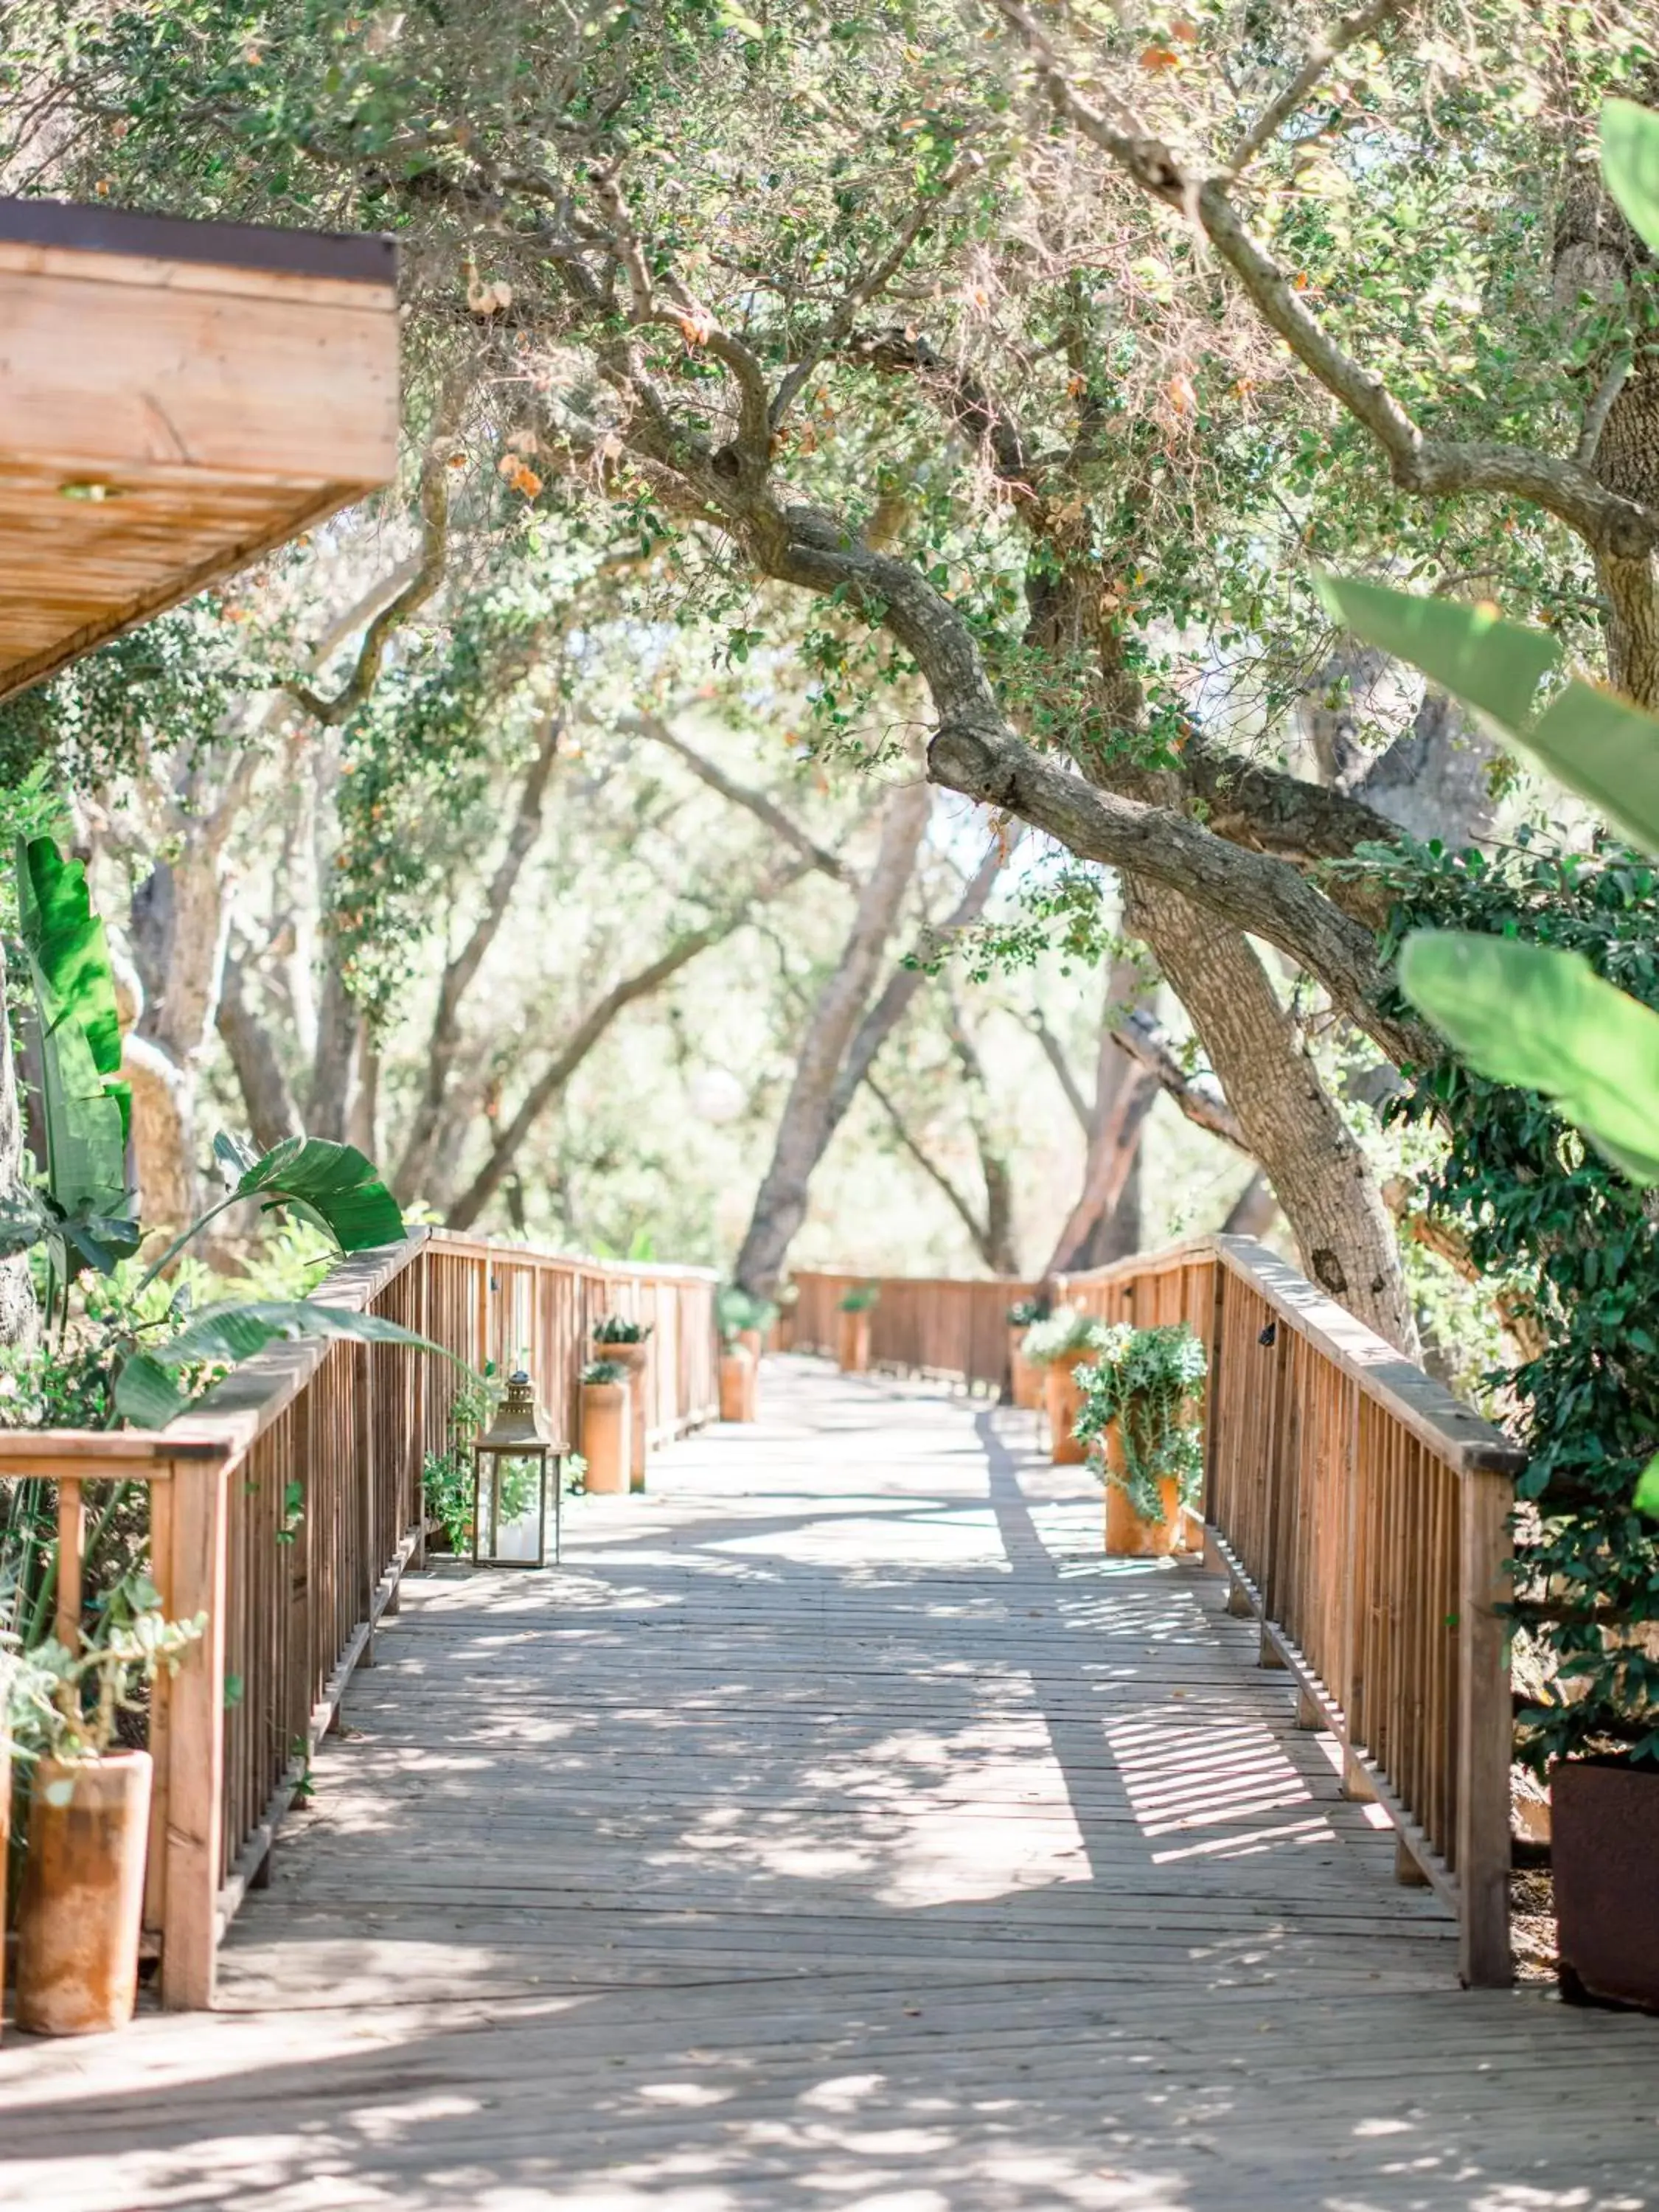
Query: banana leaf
column 149, row 1395
column 1630, row 163
column 332, row 1185
column 1601, row 746
column 85, row 1107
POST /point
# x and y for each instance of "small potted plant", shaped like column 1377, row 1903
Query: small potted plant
column 1024, row 1380
column 1140, row 1421
column 624, row 1342
column 855, row 1306
column 605, row 1426
column 81, row 1909
column 742, row 1318
column 1057, row 1346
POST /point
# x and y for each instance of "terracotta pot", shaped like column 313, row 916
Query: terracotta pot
column 752, row 1340
column 1128, row 1536
column 635, row 1357
column 854, row 1342
column 1024, row 1377
column 1604, row 1848
column 605, row 1431
column 82, row 1904
column 737, row 1392
column 1063, row 1401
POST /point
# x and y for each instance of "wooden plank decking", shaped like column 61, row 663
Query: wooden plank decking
column 837, row 1830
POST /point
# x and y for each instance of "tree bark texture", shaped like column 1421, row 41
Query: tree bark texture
column 805, row 1128
column 415, row 1168
column 1318, row 1172
column 272, row 1115
column 1104, row 1223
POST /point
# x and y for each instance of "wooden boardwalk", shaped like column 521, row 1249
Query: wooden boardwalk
column 837, row 1830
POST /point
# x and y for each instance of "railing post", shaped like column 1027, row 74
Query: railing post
column 192, row 1581
column 1485, row 1733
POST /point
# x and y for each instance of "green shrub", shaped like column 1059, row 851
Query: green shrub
column 860, row 1298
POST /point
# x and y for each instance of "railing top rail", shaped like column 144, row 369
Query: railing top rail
column 918, row 1282
column 644, row 1271
column 1452, row 1430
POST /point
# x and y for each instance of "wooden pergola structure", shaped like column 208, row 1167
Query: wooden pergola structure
column 176, row 398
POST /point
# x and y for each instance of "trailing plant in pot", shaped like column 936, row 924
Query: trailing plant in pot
column 1138, row 1419
column 1025, row 1381
column 81, row 1909
column 854, row 1307
column 1055, row 1347
column 604, row 1396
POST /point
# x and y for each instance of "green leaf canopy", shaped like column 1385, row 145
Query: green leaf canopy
column 1545, row 1020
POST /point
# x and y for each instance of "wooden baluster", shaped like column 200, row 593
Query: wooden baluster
column 1485, row 1733
column 71, row 1564
column 193, row 1582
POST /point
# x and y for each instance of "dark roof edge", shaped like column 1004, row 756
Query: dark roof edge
column 356, row 257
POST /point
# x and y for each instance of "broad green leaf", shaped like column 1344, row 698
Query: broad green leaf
column 1495, row 665
column 85, row 1106
column 1647, row 1490
column 235, row 1154
column 1630, row 163
column 146, row 1393
column 1544, row 1020
column 1606, row 750
column 332, row 1185
column 239, row 1329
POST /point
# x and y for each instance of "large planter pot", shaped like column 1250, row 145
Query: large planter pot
column 1026, row 1378
column 853, row 1342
column 752, row 1342
column 82, row 1903
column 1063, row 1402
column 1127, row 1535
column 635, row 1359
column 739, row 1394
column 606, row 1430
column 1604, row 1851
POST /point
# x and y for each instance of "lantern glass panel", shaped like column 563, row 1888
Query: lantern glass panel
column 510, row 1483
column 510, row 1506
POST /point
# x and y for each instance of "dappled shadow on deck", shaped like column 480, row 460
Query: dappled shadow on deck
column 838, row 1829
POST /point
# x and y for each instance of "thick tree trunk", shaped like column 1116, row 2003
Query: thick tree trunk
column 804, row 1128
column 1318, row 1171
column 1104, row 1223
column 272, row 1115
column 1252, row 1211
column 334, row 1071
column 414, row 1169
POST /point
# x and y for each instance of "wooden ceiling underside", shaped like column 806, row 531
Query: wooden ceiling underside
column 163, row 420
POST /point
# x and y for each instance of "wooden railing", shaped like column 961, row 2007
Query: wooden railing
column 287, row 1504
column 920, row 1325
column 1361, row 1515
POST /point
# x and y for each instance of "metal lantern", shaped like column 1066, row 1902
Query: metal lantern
column 511, row 1463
